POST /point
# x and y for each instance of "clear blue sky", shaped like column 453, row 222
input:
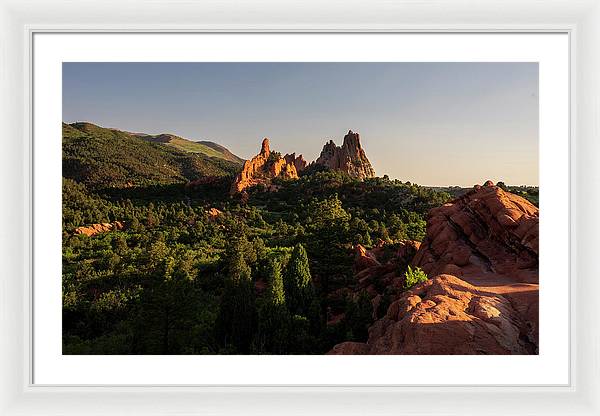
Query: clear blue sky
column 428, row 123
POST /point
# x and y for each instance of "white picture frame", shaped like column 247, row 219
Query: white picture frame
column 20, row 20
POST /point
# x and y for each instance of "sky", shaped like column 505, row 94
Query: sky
column 436, row 124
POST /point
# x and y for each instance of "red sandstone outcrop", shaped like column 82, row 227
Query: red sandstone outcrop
column 364, row 259
column 482, row 252
column 93, row 229
column 283, row 168
column 251, row 167
column 214, row 213
column 260, row 169
column 446, row 315
column 298, row 162
column 487, row 230
column 350, row 157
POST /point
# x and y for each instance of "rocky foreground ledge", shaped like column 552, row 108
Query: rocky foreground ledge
column 482, row 251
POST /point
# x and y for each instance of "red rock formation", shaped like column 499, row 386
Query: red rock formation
column 350, row 157
column 93, row 229
column 363, row 259
column 265, row 149
column 447, row 315
column 283, row 168
column 298, row 162
column 260, row 170
column 214, row 213
column 245, row 178
column 489, row 239
column 407, row 249
column 487, row 230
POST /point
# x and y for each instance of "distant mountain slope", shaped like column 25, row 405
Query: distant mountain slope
column 222, row 150
column 207, row 148
column 103, row 157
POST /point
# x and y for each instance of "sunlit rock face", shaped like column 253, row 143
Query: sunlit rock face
column 481, row 254
column 349, row 158
column 261, row 170
column 487, row 230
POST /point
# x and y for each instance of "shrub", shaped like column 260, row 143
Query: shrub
column 414, row 277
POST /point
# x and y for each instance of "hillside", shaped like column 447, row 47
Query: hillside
column 223, row 150
column 102, row 157
column 206, row 148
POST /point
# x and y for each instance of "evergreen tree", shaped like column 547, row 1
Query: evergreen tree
column 298, row 282
column 276, row 293
column 165, row 312
column 239, row 271
column 330, row 230
column 273, row 316
column 238, row 310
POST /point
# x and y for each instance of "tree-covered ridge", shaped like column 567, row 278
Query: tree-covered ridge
column 103, row 158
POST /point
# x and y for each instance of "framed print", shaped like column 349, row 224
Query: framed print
column 300, row 251
column 237, row 212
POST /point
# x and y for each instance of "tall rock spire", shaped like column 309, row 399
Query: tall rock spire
column 349, row 158
column 264, row 148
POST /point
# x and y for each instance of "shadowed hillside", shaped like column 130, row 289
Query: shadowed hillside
column 101, row 157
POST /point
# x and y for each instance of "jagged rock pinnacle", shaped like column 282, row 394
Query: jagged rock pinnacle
column 261, row 170
column 265, row 149
column 349, row 158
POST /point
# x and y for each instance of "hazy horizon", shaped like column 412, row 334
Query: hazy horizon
column 434, row 124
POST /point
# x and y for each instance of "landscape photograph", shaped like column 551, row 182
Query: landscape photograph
column 300, row 208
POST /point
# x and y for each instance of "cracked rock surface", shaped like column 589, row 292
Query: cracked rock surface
column 482, row 251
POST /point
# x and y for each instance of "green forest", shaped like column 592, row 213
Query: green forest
column 197, row 271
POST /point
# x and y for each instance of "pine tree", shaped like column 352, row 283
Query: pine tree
column 273, row 316
column 299, row 285
column 237, row 314
column 301, row 295
column 239, row 271
column 329, row 228
column 276, row 293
